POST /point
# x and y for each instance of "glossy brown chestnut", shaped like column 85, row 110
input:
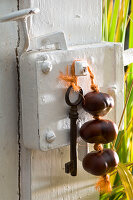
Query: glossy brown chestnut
column 99, row 131
column 100, row 162
column 97, row 103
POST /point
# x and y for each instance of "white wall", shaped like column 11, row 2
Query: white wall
column 8, row 106
column 81, row 20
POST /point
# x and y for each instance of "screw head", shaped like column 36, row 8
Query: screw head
column 46, row 67
column 50, row 136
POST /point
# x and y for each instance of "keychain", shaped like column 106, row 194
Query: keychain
column 98, row 131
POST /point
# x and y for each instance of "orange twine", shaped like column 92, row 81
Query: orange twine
column 98, row 147
column 104, row 185
column 94, row 87
column 72, row 79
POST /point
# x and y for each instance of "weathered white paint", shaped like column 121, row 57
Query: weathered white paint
column 81, row 20
column 118, row 87
column 128, row 57
column 8, row 106
column 50, row 182
column 18, row 15
column 43, row 104
column 57, row 39
column 21, row 17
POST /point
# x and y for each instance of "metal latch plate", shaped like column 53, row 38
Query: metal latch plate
column 44, row 111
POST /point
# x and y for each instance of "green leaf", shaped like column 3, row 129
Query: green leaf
column 125, row 19
column 126, row 179
column 119, row 139
column 118, row 34
column 106, row 23
column 114, row 21
column 118, row 190
column 131, row 27
column 110, row 9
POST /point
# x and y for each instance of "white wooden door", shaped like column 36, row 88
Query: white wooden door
column 81, row 22
column 36, row 175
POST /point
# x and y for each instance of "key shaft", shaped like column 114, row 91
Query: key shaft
column 71, row 167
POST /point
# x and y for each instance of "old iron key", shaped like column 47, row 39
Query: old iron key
column 71, row 167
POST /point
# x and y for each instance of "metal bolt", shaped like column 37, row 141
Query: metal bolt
column 50, row 136
column 46, row 67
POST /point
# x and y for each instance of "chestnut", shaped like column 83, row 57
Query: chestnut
column 97, row 103
column 100, row 163
column 99, row 131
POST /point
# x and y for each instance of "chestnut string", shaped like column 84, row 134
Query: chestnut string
column 70, row 80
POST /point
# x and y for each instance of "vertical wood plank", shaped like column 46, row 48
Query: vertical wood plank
column 50, row 181
column 8, row 106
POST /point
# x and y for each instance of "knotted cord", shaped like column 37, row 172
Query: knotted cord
column 94, row 87
column 72, row 79
column 104, row 185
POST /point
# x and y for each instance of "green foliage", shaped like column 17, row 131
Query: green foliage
column 112, row 29
column 118, row 191
column 117, row 19
column 126, row 179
